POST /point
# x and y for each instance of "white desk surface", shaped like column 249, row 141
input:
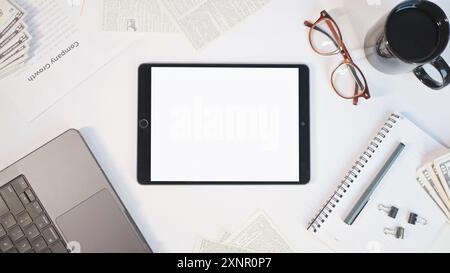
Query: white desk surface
column 174, row 218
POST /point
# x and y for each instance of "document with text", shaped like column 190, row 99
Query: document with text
column 61, row 57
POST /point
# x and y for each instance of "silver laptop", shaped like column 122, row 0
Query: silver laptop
column 57, row 199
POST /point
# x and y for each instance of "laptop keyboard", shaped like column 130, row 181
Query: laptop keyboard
column 25, row 226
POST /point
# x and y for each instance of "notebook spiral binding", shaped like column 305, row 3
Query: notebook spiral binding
column 320, row 218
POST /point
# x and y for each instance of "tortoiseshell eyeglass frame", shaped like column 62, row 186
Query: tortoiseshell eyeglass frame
column 336, row 38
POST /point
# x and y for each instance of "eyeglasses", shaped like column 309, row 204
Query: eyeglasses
column 326, row 39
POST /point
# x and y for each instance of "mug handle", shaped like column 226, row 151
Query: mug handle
column 442, row 67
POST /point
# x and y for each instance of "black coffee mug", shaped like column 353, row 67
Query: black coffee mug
column 414, row 34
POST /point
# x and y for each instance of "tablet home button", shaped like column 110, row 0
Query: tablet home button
column 143, row 123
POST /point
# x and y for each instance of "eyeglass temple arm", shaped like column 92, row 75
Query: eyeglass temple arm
column 356, row 78
column 355, row 98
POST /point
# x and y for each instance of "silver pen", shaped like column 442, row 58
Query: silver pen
column 365, row 197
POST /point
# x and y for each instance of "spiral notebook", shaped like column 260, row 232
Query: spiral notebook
column 399, row 188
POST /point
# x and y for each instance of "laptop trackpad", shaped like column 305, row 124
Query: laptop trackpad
column 99, row 225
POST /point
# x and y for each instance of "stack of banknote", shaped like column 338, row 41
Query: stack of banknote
column 14, row 37
column 434, row 178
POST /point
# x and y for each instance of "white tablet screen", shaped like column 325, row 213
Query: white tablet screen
column 224, row 124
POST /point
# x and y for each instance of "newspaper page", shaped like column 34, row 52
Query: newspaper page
column 207, row 246
column 203, row 21
column 135, row 16
column 259, row 235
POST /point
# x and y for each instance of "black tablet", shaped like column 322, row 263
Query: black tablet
column 223, row 124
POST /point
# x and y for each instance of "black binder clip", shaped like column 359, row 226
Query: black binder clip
column 398, row 232
column 391, row 211
column 415, row 219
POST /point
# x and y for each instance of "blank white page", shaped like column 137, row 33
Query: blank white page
column 225, row 124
